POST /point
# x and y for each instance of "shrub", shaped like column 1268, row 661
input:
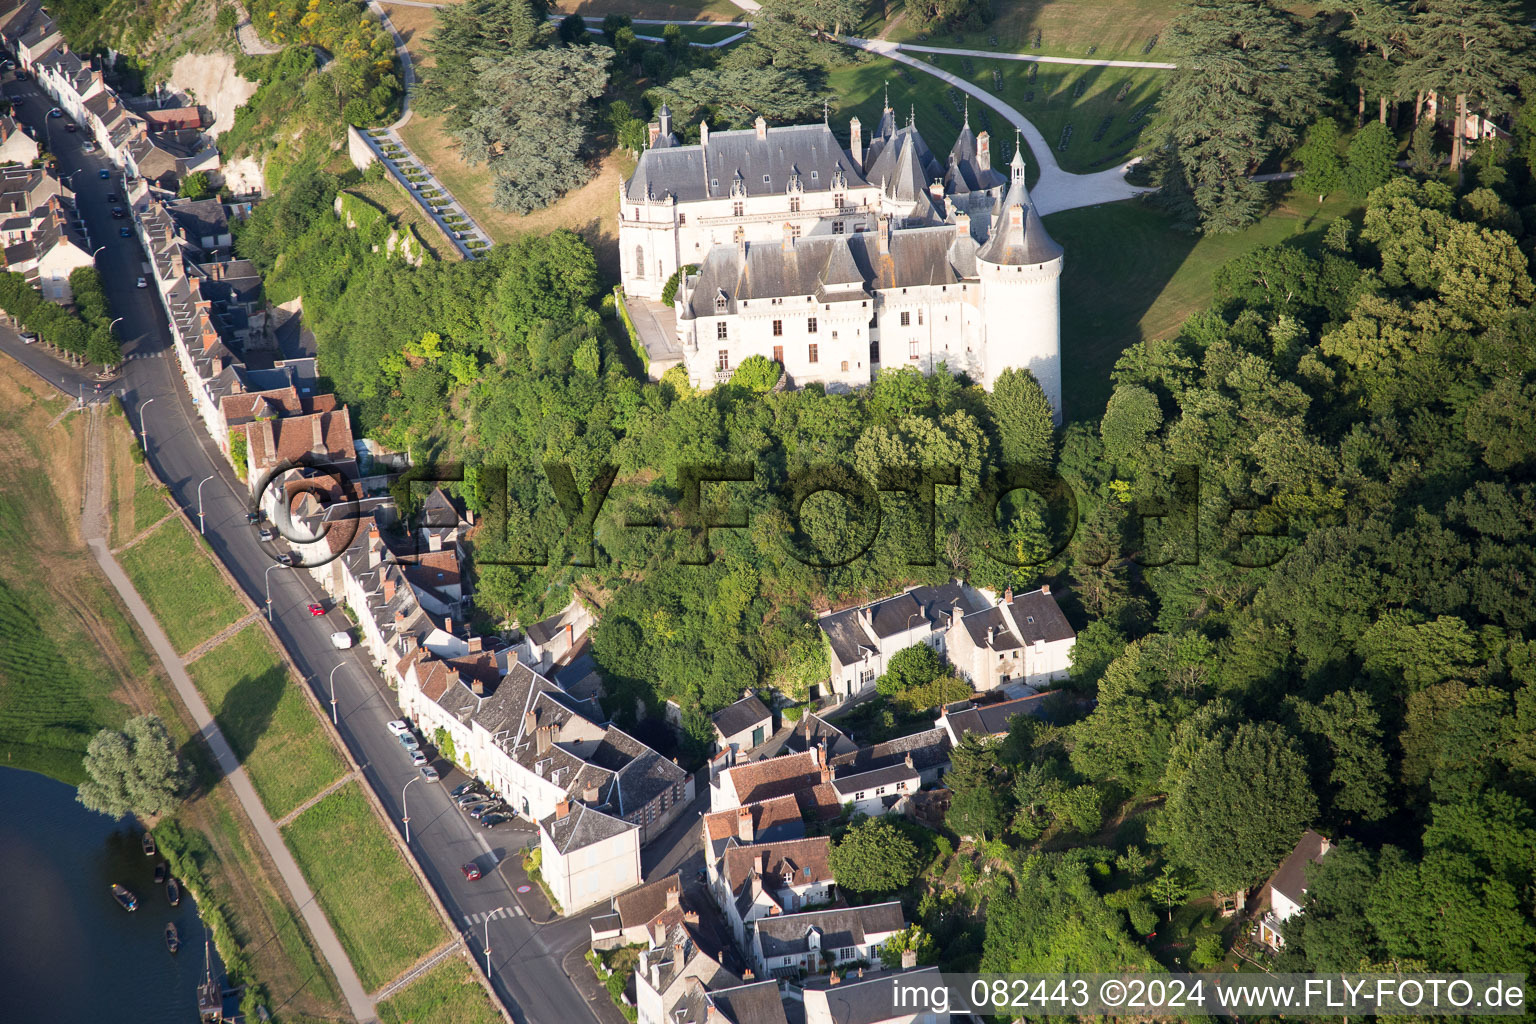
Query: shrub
column 669, row 290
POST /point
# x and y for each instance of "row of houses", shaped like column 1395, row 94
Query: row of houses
column 40, row 225
column 159, row 146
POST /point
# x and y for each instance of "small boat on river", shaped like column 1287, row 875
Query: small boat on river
column 160, row 873
column 126, row 899
column 172, row 940
column 172, row 891
column 148, row 842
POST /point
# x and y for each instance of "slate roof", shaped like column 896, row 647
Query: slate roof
column 801, row 861
column 750, row 1004
column 928, row 749
column 1026, row 242
column 872, row 999
column 1290, row 878
column 893, row 615
column 809, row 152
column 741, row 716
column 893, row 775
column 582, row 827
column 772, row 820
column 785, row 934
column 1036, row 615
column 813, row 730
column 992, row 719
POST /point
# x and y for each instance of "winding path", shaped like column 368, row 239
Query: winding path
column 1056, row 189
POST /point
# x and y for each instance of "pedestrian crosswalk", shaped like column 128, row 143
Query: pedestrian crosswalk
column 145, row 355
column 493, row 915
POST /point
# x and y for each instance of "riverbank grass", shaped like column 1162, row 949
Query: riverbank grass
column 374, row 902
column 267, row 720
column 179, row 582
column 447, row 994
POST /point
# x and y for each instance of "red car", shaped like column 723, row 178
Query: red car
column 315, row 609
column 472, row 872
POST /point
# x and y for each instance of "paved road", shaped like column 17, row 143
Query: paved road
column 524, row 961
column 1035, row 58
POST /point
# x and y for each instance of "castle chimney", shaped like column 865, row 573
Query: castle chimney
column 789, row 237
column 744, row 829
column 984, row 149
column 762, row 129
column 389, row 589
column 562, row 809
column 962, row 225
column 884, row 238
column 936, row 190
column 704, row 134
column 652, row 133
column 856, row 144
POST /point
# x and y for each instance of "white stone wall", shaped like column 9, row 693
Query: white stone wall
column 841, row 339
column 598, row 872
column 1021, row 324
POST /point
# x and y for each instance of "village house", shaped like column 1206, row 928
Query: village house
column 862, row 640
column 742, row 726
column 986, row 721
column 757, row 880
column 814, row 731
column 587, row 855
column 925, row 752
column 784, row 946
column 1287, row 887
column 770, row 821
column 634, row 914
column 754, row 781
column 673, row 975
column 871, row 999
column 16, row 146
column 552, row 641
column 1018, row 638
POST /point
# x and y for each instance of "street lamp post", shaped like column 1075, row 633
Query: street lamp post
column 487, row 949
column 200, row 520
column 333, row 695
column 405, row 817
column 113, row 323
column 268, row 577
column 143, row 432
column 99, row 248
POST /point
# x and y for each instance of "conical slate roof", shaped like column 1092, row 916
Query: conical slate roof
column 1018, row 237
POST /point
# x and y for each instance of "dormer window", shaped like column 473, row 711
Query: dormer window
column 720, row 302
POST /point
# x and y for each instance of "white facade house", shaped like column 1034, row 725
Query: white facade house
column 1015, row 638
column 837, row 263
column 786, row 945
column 1288, row 887
column 862, row 640
column 587, row 856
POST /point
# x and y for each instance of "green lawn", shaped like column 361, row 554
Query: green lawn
column 447, row 994
column 178, row 580
column 1116, row 29
column 1130, row 276
column 374, row 902
column 1051, row 102
column 271, row 726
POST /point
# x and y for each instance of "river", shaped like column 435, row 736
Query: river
column 68, row 953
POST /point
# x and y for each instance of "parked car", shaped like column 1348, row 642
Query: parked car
column 88, row 146
column 124, row 232
column 142, row 282
column 29, row 337
column 267, row 534
column 55, row 112
column 481, row 810
column 470, row 799
column 429, row 773
column 409, row 741
column 462, row 788
column 472, row 872
column 492, row 820
column 475, row 809
column 315, row 609
column 103, row 174
column 341, row 640
column 399, row 727
column 418, row 758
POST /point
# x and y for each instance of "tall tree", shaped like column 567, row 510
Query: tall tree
column 1350, row 724
column 1474, row 50
column 874, row 857
column 1322, row 170
column 134, row 771
column 470, row 31
column 1371, row 160
column 1022, row 414
column 1248, row 77
column 1380, row 30
column 1240, row 807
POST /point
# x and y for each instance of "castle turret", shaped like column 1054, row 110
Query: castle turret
column 1020, row 272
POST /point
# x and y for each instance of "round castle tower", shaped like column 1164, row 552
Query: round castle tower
column 1020, row 272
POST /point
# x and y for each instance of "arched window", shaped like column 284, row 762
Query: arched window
column 639, row 261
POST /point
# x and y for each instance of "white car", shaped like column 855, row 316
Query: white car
column 142, row 283
column 418, row 758
column 399, row 727
column 342, row 640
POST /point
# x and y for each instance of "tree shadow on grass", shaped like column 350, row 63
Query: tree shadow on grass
column 248, row 707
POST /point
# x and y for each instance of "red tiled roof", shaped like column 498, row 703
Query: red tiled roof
column 765, row 815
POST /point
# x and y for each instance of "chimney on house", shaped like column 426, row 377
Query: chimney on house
column 856, row 144
column 826, row 773
column 883, row 238
column 448, row 625
column 562, row 809
column 673, row 896
column 908, row 759
column 530, row 721
column 652, row 133
column 756, row 884
column 832, row 978
column 689, row 917
column 1045, row 588
column 909, row 956
column 762, row 129
column 476, row 687
column 590, row 794
column 389, row 589
column 1008, row 596
column 704, row 134
column 991, row 632
column 744, row 829
column 544, row 739
column 434, row 541
column 984, row 149
column 476, row 644
column 748, row 974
